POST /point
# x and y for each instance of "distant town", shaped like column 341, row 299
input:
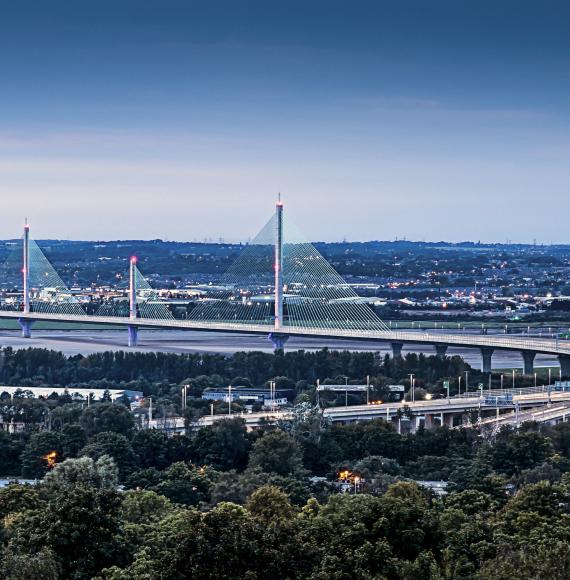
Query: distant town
column 404, row 282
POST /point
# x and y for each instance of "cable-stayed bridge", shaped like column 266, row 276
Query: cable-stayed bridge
column 280, row 286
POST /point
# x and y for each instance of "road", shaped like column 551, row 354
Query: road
column 85, row 342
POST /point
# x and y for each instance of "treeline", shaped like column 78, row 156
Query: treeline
column 151, row 372
column 227, row 502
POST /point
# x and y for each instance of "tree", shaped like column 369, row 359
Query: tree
column 269, row 503
column 189, row 485
column 224, row 445
column 17, row 498
column 113, row 445
column 73, row 439
column 106, row 417
column 80, row 527
column 152, row 448
column 277, row 452
column 237, row 487
column 12, row 447
column 38, row 566
column 42, row 452
column 144, row 507
column 100, row 474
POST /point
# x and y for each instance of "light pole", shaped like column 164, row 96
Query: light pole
column 466, row 381
column 535, row 381
column 229, row 399
column 514, row 379
column 459, row 386
column 412, row 394
column 502, row 381
column 367, row 389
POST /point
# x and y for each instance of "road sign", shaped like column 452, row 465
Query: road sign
column 342, row 388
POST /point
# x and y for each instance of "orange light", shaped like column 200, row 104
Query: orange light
column 50, row 458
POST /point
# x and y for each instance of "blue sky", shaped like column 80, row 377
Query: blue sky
column 181, row 119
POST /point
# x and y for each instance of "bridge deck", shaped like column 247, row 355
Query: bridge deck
column 537, row 345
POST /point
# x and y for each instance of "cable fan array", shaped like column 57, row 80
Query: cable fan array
column 245, row 292
column 48, row 293
column 315, row 295
column 149, row 305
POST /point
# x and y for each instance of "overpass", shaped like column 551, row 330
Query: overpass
column 305, row 298
column 540, row 405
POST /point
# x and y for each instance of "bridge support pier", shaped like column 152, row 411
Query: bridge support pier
column 26, row 326
column 133, row 335
column 486, row 359
column 564, row 360
column 441, row 350
column 528, row 359
column 397, row 349
column 278, row 340
column 448, row 420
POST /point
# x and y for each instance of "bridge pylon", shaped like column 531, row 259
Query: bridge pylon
column 25, row 323
column 277, row 337
column 132, row 328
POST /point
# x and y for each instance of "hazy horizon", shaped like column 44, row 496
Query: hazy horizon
column 376, row 120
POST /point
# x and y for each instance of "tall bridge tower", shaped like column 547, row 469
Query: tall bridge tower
column 277, row 337
column 25, row 323
column 133, row 329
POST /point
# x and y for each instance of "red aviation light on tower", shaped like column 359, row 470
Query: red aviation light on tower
column 134, row 259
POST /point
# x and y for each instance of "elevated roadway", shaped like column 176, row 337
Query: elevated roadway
column 443, row 410
column 487, row 344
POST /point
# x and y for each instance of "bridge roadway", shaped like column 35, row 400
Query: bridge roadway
column 487, row 344
column 443, row 409
column 550, row 413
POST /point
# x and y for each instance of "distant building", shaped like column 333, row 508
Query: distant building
column 248, row 395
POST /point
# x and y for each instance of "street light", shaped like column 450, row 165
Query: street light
column 459, row 386
column 412, row 394
column 466, row 381
column 514, row 379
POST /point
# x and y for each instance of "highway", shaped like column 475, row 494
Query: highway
column 544, row 414
column 503, row 342
column 535, row 403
